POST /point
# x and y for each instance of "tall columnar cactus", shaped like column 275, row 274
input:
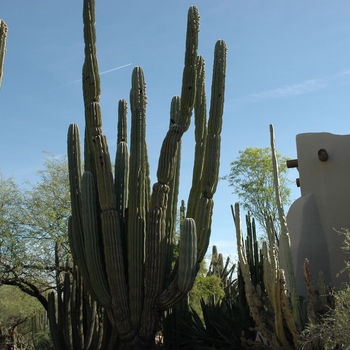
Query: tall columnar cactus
column 121, row 232
column 3, row 38
column 284, row 238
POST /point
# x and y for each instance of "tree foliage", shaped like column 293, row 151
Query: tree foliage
column 251, row 176
column 33, row 242
column 33, row 229
column 205, row 289
column 16, row 308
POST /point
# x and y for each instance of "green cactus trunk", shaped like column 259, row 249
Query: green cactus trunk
column 121, row 231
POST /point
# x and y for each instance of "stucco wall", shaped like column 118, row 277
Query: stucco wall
column 322, row 209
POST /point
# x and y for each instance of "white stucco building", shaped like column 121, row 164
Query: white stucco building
column 323, row 208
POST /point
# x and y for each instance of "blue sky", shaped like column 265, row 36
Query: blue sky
column 288, row 65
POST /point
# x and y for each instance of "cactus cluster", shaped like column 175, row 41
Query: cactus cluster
column 121, row 233
column 276, row 315
column 277, row 310
column 76, row 321
column 223, row 271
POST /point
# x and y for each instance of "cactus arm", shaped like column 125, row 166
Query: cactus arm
column 54, row 329
column 188, row 91
column 188, row 265
column 167, row 158
column 122, row 128
column 287, row 311
column 91, row 329
column 91, row 78
column 212, row 150
column 311, row 295
column 272, row 274
column 137, row 194
column 200, row 114
column 171, row 216
column 67, row 310
column 93, row 246
column 171, row 295
column 252, row 297
column 122, row 164
column 3, row 39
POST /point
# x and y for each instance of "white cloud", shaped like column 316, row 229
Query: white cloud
column 287, row 90
column 304, row 87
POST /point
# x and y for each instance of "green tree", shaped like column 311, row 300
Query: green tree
column 205, row 288
column 11, row 202
column 251, row 176
column 33, row 243
column 17, row 312
column 47, row 209
column 33, row 226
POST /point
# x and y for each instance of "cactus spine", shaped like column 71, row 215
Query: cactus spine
column 3, row 38
column 120, row 230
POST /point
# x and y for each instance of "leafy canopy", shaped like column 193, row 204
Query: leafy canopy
column 251, row 176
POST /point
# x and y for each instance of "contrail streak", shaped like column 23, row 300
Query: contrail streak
column 113, row 69
column 106, row 71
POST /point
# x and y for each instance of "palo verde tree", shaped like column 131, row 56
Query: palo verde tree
column 252, row 179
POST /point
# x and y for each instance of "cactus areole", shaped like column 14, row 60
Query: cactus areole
column 121, row 231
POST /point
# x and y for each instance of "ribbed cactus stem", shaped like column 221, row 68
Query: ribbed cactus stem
column 284, row 237
column 92, row 241
column 122, row 132
column 188, row 255
column 255, row 304
column 91, row 77
column 121, row 171
column 138, row 194
column 172, row 206
column 188, row 92
column 3, row 39
column 200, row 121
column 311, row 296
column 212, row 149
column 210, row 175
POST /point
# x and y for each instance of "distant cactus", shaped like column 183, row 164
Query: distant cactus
column 3, row 38
column 122, row 234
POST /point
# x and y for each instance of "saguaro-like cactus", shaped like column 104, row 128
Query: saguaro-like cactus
column 122, row 233
column 3, row 37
